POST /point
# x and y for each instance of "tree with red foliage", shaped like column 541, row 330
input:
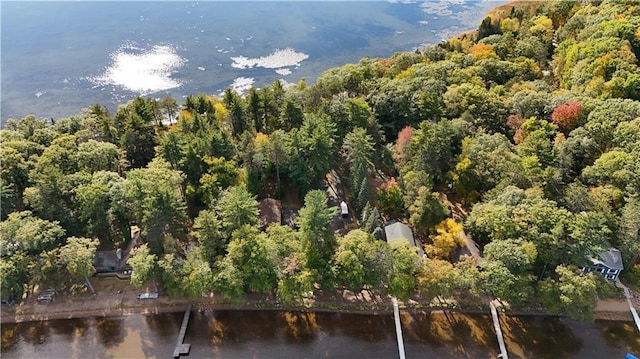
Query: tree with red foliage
column 390, row 200
column 404, row 137
column 566, row 116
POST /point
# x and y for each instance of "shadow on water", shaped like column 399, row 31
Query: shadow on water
column 279, row 334
column 10, row 337
column 234, row 327
column 539, row 337
column 164, row 324
column 449, row 335
column 35, row 332
column 620, row 335
column 368, row 328
column 69, row 329
column 301, row 327
column 110, row 330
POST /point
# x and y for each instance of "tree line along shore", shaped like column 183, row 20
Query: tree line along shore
column 510, row 154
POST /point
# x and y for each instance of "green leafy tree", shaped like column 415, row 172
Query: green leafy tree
column 573, row 294
column 94, row 203
column 236, row 207
column 197, row 277
column 517, row 256
column 405, row 266
column 495, row 278
column 249, row 253
column 13, row 277
column 485, row 162
column 291, row 115
column 296, row 282
column 14, row 172
column 282, row 242
column 613, row 167
column 319, row 242
column 138, row 138
column 143, row 264
column 221, row 174
column 427, row 210
column 590, row 233
column 227, row 280
column 432, row 148
column 22, row 232
column 312, row 149
column 78, row 256
column 170, row 270
column 170, row 107
column 358, row 150
column 438, row 278
column 94, row 156
column 155, row 202
column 361, row 260
column 207, row 229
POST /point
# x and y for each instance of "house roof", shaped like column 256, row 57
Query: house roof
column 398, row 230
column 610, row 259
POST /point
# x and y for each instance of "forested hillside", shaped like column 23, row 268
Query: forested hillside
column 525, row 135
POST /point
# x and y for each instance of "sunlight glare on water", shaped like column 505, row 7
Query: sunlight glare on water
column 142, row 71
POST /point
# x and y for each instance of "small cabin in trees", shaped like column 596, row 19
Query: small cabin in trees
column 394, row 230
column 607, row 263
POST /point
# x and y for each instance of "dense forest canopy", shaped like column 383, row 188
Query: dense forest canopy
column 523, row 135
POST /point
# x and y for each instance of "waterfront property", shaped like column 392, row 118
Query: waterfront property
column 607, row 263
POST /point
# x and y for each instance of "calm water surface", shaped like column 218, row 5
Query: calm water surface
column 275, row 334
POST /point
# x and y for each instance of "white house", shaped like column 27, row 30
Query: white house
column 608, row 264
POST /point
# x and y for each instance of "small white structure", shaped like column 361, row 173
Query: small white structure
column 395, row 230
column 344, row 210
column 608, row 264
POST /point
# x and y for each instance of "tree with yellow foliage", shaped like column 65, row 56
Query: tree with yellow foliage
column 483, row 51
column 448, row 237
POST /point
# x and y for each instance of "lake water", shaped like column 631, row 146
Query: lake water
column 277, row 334
column 59, row 57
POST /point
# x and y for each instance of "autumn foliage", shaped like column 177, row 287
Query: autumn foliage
column 404, row 137
column 566, row 116
column 390, row 200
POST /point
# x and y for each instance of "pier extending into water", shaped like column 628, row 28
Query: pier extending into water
column 496, row 325
column 396, row 317
column 182, row 348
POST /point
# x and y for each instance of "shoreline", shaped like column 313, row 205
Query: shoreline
column 177, row 305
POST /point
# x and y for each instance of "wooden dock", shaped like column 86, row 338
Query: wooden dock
column 182, row 348
column 396, row 317
column 496, row 325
